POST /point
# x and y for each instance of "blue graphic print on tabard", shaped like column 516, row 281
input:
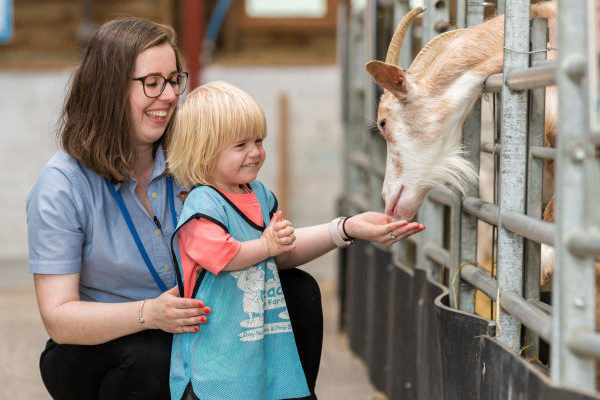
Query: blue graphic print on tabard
column 260, row 296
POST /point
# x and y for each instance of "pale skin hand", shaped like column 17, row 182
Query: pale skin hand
column 69, row 320
column 314, row 241
column 376, row 227
column 278, row 238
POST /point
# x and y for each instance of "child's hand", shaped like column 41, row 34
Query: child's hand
column 279, row 236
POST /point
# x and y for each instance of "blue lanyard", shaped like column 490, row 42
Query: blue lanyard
column 134, row 234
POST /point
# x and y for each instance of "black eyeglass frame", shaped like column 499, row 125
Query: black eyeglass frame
column 165, row 80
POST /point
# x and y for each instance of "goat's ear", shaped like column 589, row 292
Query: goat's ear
column 390, row 77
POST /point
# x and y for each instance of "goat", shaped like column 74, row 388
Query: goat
column 423, row 109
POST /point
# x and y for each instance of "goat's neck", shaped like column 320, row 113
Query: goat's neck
column 477, row 53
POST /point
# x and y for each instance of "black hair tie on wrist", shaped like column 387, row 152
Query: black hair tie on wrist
column 344, row 229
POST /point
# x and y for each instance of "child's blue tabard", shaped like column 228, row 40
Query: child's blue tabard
column 246, row 350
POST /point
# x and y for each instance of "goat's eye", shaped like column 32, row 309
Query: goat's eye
column 382, row 123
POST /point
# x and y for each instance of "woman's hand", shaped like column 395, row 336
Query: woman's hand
column 380, row 228
column 279, row 236
column 174, row 314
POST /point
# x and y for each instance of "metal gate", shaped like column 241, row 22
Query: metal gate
column 409, row 312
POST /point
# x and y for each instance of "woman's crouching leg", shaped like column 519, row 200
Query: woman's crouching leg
column 303, row 299
column 132, row 367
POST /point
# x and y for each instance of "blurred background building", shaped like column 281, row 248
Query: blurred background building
column 281, row 52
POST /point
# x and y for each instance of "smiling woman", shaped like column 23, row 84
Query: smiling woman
column 107, row 341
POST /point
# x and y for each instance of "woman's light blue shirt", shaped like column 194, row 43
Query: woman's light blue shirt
column 75, row 226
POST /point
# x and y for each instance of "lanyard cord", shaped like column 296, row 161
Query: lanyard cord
column 133, row 231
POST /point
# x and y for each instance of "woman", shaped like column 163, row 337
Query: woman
column 100, row 218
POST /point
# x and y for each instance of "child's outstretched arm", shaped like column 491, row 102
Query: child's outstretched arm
column 276, row 239
column 314, row 241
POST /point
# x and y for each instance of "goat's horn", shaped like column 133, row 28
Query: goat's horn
column 393, row 52
column 431, row 50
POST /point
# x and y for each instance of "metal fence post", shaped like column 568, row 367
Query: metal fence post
column 535, row 168
column 576, row 194
column 513, row 157
column 436, row 19
column 468, row 224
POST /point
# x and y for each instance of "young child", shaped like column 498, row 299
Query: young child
column 231, row 240
column 230, row 227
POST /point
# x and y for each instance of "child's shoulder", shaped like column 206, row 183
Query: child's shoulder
column 202, row 195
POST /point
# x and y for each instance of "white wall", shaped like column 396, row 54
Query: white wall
column 29, row 107
column 30, row 104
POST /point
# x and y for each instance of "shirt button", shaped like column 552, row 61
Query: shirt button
column 166, row 267
column 157, row 231
column 154, row 195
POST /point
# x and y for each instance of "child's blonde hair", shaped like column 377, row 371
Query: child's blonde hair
column 211, row 117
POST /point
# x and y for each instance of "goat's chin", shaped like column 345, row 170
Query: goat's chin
column 401, row 211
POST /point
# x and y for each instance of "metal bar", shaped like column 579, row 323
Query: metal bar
column 493, row 83
column 480, row 278
column 537, row 108
column 542, row 153
column 482, row 4
column 531, row 228
column 500, row 6
column 534, row 77
column 577, row 209
column 355, row 176
column 437, row 253
column 584, row 245
column 528, row 227
column 483, row 210
column 585, row 344
column 489, row 147
column 442, row 196
column 401, row 8
column 542, row 306
column 436, row 19
column 513, row 160
column 463, row 234
column 528, row 314
column 431, row 214
column 461, row 14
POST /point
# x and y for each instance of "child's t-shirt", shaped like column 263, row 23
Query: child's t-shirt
column 204, row 244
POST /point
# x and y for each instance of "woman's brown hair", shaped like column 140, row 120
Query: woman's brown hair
column 95, row 126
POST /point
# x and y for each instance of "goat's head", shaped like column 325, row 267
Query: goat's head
column 420, row 116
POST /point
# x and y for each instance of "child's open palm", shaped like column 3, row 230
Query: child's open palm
column 279, row 236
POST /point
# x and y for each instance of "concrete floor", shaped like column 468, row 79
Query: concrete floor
column 342, row 375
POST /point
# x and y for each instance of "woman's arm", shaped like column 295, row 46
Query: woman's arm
column 69, row 320
column 314, row 241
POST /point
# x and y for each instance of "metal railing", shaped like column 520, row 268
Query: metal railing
column 450, row 240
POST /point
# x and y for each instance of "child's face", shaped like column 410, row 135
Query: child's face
column 238, row 163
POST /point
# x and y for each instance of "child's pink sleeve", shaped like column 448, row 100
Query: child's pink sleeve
column 204, row 244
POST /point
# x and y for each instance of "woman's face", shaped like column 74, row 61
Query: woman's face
column 150, row 116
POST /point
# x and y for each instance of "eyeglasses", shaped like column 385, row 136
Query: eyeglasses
column 154, row 84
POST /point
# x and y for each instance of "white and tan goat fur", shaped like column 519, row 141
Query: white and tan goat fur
column 423, row 109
